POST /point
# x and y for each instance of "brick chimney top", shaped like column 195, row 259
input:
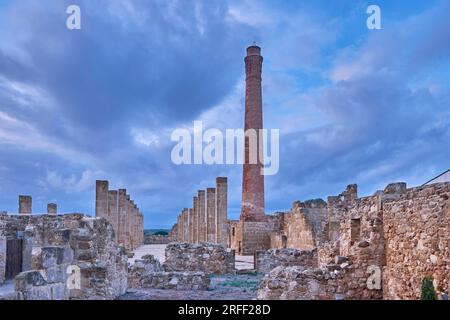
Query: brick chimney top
column 253, row 51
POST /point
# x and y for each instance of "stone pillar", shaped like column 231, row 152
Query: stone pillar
column 113, row 211
column 52, row 208
column 195, row 220
column 186, row 225
column 211, row 215
column 221, row 211
column 101, row 198
column 25, row 205
column 122, row 216
column 201, row 216
column 126, row 226
column 252, row 208
column 191, row 225
column 180, row 227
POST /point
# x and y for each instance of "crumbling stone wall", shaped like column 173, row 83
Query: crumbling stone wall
column 141, row 268
column 298, row 283
column 148, row 273
column 52, row 243
column 208, row 258
column 268, row 260
column 417, row 232
column 176, row 280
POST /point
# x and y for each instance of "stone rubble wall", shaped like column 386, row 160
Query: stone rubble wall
column 206, row 257
column 175, row 281
column 339, row 281
column 268, row 260
column 417, row 231
column 141, row 268
column 54, row 244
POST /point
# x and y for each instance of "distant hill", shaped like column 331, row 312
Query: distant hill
column 156, row 231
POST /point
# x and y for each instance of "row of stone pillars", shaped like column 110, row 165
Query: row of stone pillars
column 119, row 209
column 26, row 206
column 206, row 221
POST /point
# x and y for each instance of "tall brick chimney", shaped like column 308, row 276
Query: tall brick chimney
column 252, row 180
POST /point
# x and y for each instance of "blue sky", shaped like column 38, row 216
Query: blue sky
column 353, row 105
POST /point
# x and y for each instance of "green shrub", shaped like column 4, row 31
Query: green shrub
column 428, row 292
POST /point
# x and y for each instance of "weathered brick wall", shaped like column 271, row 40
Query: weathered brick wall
column 417, row 231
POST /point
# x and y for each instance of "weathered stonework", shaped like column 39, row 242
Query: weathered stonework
column 175, row 281
column 221, row 211
column 268, row 260
column 142, row 268
column 417, row 232
column 54, row 246
column 201, row 216
column 52, row 208
column 211, row 215
column 383, row 246
column 25, row 205
column 207, row 257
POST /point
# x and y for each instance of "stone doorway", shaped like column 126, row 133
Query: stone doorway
column 13, row 258
column 284, row 242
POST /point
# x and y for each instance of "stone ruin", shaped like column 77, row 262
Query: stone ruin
column 265, row 261
column 376, row 247
column 61, row 257
column 209, row 258
column 187, row 267
column 123, row 214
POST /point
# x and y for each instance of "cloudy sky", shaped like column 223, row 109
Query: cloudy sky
column 353, row 105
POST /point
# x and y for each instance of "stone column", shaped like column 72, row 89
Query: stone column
column 186, row 225
column 221, row 211
column 122, row 216
column 113, row 211
column 101, row 198
column 127, row 222
column 52, row 209
column 211, row 215
column 191, row 225
column 201, row 216
column 180, row 227
column 25, row 205
column 195, row 220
